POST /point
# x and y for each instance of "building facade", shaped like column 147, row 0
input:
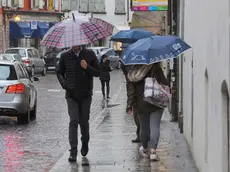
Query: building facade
column 25, row 22
column 116, row 12
column 204, row 82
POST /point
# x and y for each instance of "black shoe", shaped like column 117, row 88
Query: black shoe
column 137, row 140
column 84, row 149
column 72, row 158
column 108, row 97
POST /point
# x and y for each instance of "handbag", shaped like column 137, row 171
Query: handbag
column 155, row 93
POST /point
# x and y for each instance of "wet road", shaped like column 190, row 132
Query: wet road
column 39, row 145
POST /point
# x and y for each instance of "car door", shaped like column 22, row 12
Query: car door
column 36, row 60
column 29, row 84
column 31, row 58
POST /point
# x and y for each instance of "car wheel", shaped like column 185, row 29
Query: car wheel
column 44, row 71
column 33, row 113
column 24, row 118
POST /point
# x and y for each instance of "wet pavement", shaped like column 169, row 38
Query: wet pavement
column 111, row 149
column 38, row 146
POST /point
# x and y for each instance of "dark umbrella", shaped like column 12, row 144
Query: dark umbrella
column 131, row 36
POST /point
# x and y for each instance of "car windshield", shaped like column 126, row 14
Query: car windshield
column 6, row 57
column 20, row 52
column 7, row 72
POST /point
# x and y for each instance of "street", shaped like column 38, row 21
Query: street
column 39, row 145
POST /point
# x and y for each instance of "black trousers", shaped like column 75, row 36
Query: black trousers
column 79, row 115
column 103, row 83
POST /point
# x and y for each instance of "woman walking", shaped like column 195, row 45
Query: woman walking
column 105, row 75
column 149, row 115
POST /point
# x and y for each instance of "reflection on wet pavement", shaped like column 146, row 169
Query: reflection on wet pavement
column 111, row 149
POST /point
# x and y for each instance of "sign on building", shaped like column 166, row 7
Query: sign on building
column 34, row 25
column 149, row 5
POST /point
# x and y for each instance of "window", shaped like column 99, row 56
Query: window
column 34, row 4
column 20, row 52
column 111, row 53
column 84, row 5
column 19, row 70
column 120, row 7
column 15, row 3
column 35, row 53
column 30, row 53
column 7, row 72
column 24, row 71
column 17, row 57
column 97, row 6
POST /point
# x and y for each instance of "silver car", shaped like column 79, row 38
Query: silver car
column 31, row 58
column 18, row 97
column 97, row 50
column 112, row 56
column 11, row 57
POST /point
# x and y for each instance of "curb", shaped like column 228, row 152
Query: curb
column 60, row 165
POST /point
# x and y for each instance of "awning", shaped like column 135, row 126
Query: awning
column 20, row 30
column 42, row 28
column 51, row 24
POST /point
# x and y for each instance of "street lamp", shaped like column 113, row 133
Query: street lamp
column 17, row 18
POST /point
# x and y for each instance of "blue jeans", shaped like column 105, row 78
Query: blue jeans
column 150, row 122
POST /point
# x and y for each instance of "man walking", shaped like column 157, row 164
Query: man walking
column 75, row 72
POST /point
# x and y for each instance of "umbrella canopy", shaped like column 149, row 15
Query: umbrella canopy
column 131, row 36
column 154, row 49
column 69, row 33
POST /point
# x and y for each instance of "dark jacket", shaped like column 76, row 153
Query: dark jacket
column 104, row 73
column 136, row 91
column 77, row 81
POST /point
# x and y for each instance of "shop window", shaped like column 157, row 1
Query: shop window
column 225, row 127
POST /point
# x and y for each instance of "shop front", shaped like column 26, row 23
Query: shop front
column 29, row 28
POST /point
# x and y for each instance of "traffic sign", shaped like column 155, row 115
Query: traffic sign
column 34, row 25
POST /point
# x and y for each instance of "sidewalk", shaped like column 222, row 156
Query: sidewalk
column 111, row 149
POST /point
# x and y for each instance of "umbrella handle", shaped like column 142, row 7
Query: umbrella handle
column 73, row 16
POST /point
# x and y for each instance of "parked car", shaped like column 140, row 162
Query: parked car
column 97, row 50
column 112, row 56
column 31, row 58
column 18, row 97
column 11, row 57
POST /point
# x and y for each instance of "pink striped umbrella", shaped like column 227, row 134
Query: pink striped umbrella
column 69, row 33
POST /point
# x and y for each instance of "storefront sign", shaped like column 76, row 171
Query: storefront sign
column 149, row 5
column 50, row 5
column 34, row 25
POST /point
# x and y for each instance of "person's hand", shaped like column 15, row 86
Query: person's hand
column 83, row 64
column 129, row 111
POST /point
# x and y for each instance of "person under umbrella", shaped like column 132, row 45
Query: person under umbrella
column 105, row 75
column 75, row 72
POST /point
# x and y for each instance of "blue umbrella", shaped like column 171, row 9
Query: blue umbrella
column 153, row 49
column 131, row 36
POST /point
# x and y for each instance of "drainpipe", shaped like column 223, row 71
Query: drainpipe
column 128, row 7
column 3, row 29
